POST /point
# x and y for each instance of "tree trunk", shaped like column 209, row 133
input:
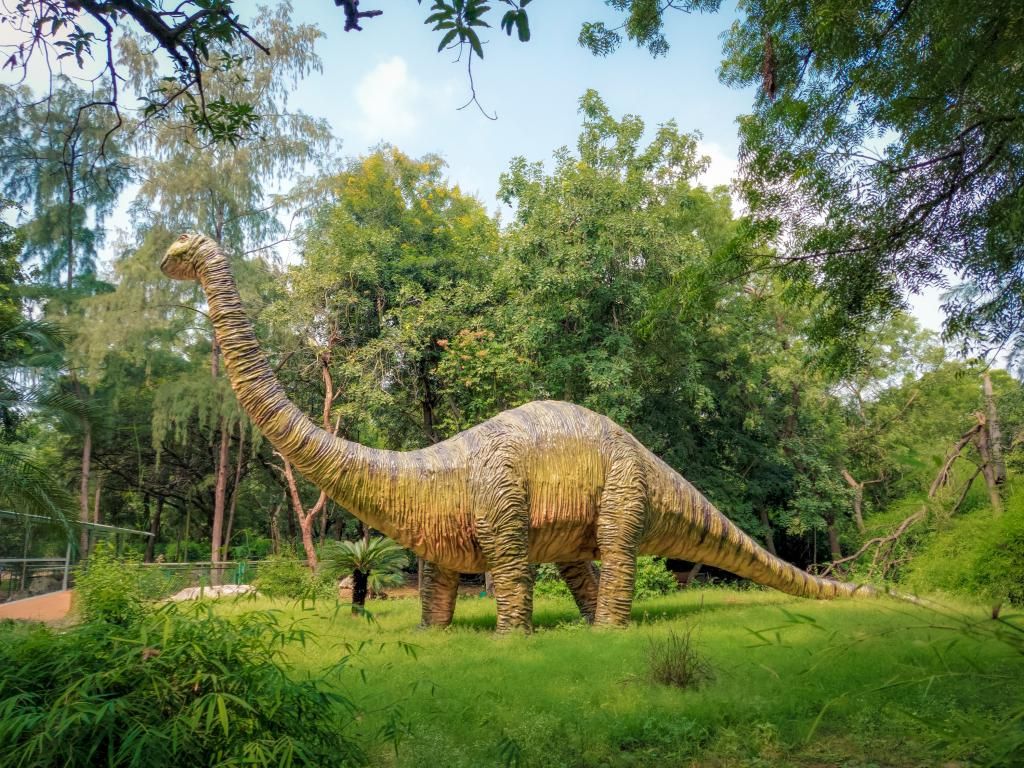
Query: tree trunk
column 988, row 469
column 70, row 179
column 83, row 544
column 183, row 553
column 858, row 500
column 96, row 500
column 359, row 584
column 691, row 575
column 154, row 528
column 275, row 534
column 306, row 526
column 833, row 540
column 489, row 584
column 219, row 501
column 995, row 436
column 305, row 519
column 769, row 540
column 234, row 490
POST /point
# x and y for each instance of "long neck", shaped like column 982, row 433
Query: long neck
column 347, row 472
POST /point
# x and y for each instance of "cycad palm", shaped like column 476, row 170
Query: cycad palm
column 374, row 564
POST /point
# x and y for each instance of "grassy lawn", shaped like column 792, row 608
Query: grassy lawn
column 795, row 683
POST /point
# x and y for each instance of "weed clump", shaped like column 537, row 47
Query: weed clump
column 676, row 660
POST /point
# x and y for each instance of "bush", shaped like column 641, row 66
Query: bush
column 180, row 686
column 253, row 546
column 652, row 579
column 114, row 589
column 192, row 552
column 676, row 661
column 287, row 576
column 977, row 555
column 549, row 582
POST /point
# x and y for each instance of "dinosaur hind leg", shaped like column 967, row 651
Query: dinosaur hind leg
column 620, row 526
column 581, row 577
column 439, row 589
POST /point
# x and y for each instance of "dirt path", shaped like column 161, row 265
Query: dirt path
column 51, row 607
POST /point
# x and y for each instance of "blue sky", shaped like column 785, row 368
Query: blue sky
column 389, row 83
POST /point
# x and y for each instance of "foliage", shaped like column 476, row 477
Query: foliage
column 549, row 583
column 653, row 579
column 675, row 660
column 183, row 684
column 66, row 171
column 883, row 151
column 288, row 576
column 114, row 589
column 975, row 556
column 254, row 546
column 380, row 560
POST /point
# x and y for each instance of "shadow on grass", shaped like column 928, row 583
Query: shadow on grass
column 550, row 616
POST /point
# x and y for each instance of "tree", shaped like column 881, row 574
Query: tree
column 63, row 167
column 221, row 189
column 884, row 152
column 26, row 485
column 374, row 565
column 392, row 262
column 199, row 37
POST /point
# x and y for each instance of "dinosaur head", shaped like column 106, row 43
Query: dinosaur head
column 186, row 254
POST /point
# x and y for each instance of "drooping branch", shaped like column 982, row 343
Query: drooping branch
column 888, row 542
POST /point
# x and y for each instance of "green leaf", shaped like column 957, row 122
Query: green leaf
column 447, row 39
column 523, row 26
column 474, row 41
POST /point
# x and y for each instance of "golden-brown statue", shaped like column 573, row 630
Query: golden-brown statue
column 545, row 482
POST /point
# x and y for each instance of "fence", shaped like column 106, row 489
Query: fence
column 169, row 578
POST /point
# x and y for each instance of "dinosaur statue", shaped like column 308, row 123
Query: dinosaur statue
column 545, row 482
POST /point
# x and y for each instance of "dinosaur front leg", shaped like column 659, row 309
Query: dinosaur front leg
column 581, row 578
column 620, row 526
column 438, row 591
column 503, row 539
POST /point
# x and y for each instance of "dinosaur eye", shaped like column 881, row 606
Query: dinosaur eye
column 183, row 238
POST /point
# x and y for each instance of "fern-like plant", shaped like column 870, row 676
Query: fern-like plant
column 373, row 565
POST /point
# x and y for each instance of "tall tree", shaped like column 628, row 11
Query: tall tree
column 392, row 265
column 67, row 170
column 225, row 190
column 884, row 151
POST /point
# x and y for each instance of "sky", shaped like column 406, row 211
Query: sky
column 388, row 83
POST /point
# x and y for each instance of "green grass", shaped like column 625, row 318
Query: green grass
column 795, row 683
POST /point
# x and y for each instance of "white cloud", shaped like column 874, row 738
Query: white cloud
column 722, row 168
column 389, row 101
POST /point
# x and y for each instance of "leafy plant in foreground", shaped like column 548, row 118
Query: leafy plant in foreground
column 114, row 589
column 178, row 687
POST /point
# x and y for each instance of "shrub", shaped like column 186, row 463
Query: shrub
column 114, row 589
column 653, row 578
column 287, row 576
column 676, row 661
column 180, row 686
column 977, row 555
column 549, row 582
column 253, row 546
column 180, row 552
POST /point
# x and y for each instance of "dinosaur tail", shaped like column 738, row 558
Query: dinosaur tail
column 686, row 525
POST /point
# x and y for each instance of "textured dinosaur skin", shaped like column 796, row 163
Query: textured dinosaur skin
column 545, row 482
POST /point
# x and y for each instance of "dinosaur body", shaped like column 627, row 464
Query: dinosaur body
column 545, row 482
